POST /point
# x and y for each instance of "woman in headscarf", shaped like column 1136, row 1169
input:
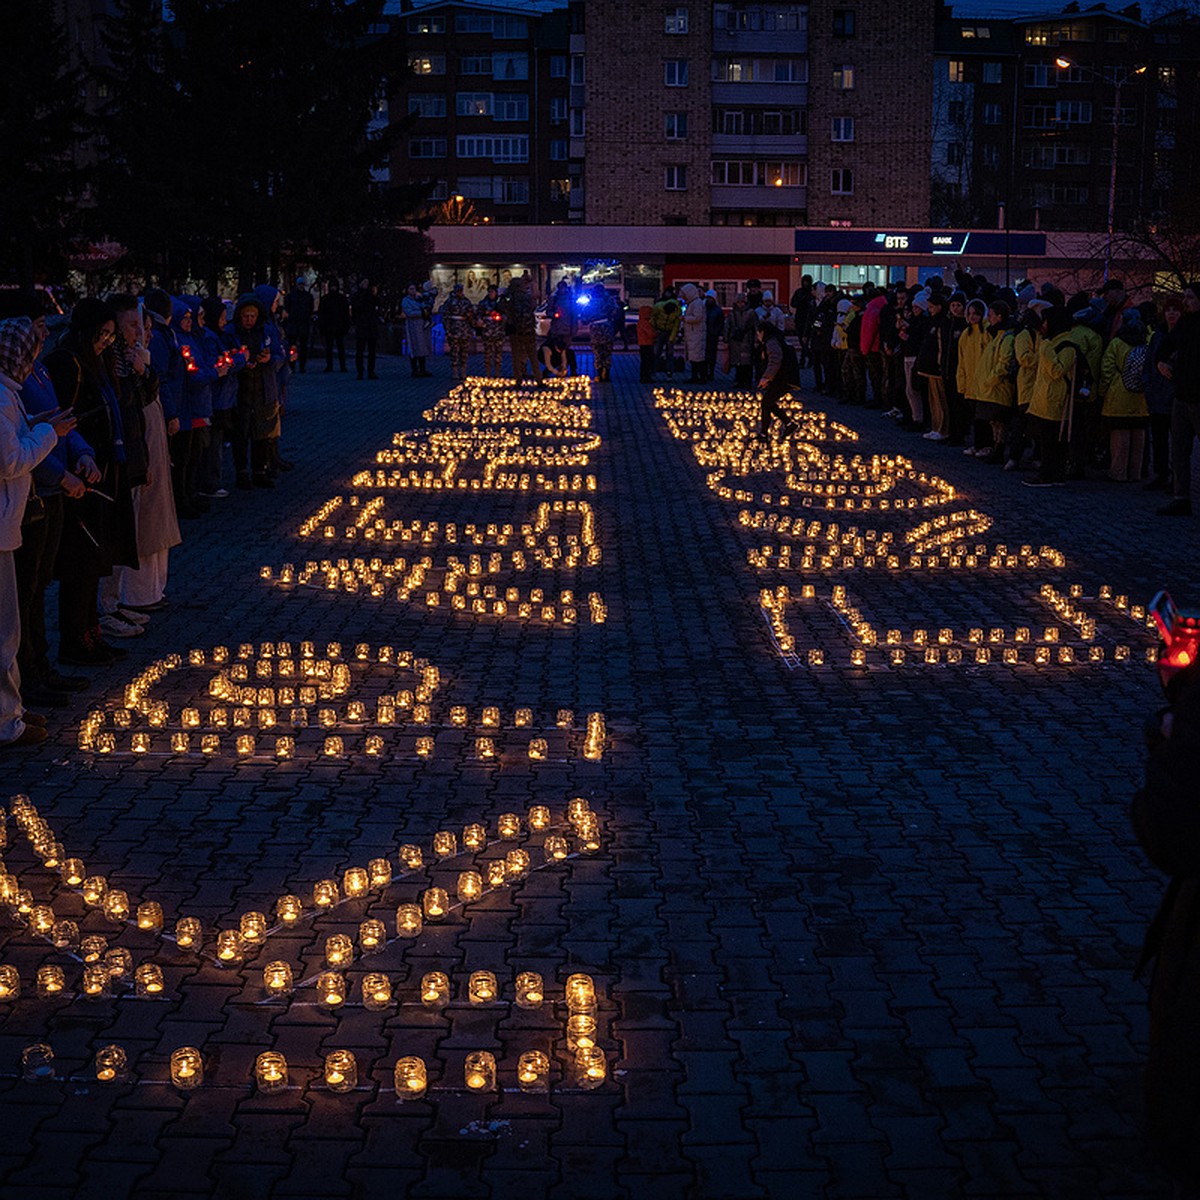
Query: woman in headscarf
column 22, row 447
column 98, row 528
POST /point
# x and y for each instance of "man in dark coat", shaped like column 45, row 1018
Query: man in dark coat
column 364, row 312
column 333, row 320
column 1166, row 818
column 298, row 305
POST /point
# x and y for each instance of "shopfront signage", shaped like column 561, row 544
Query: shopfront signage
column 955, row 243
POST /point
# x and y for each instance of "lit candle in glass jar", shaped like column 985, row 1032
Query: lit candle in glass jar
column 581, row 993
column 92, row 949
column 96, row 981
column 531, row 991
column 355, row 882
column 581, row 1030
column 271, row 1072
column 435, row 903
column 150, row 916
column 331, row 989
column 556, row 848
column 577, row 809
column 424, row 746
column 470, row 886
column 497, row 873
column 590, row 1066
column 289, row 909
column 277, row 979
column 509, row 826
column 482, row 987
column 339, row 950
column 325, row 893
column 229, row 947
column 148, row 979
column 445, row 844
column 116, row 906
column 50, row 982
column 72, row 872
column 474, row 837
column 341, row 1071
column 533, row 1071
column 539, row 818
column 410, row 1078
column 435, row 989
column 41, row 919
column 408, row 920
column 187, row 1068
column 112, row 1065
column 376, row 991
column 479, row 1071
column 372, row 936
column 516, row 864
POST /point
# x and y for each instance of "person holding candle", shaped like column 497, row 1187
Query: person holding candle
column 222, row 346
column 22, row 447
column 256, row 416
column 490, row 322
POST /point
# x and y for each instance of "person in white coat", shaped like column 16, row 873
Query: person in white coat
column 22, row 447
column 694, row 329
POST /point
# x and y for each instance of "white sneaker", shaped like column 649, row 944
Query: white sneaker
column 931, row 436
column 114, row 625
column 137, row 618
column 983, row 451
column 941, row 437
column 969, row 452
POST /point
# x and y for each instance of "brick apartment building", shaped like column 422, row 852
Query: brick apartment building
column 748, row 114
column 487, row 94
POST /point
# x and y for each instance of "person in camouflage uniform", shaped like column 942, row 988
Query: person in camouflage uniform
column 602, row 315
column 458, row 315
column 489, row 320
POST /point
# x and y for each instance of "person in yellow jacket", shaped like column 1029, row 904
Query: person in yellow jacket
column 972, row 343
column 1026, row 345
column 1085, row 425
column 1124, row 410
column 1048, row 405
column 994, row 387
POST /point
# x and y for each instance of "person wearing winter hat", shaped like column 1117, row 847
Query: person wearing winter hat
column 972, row 343
column 1085, row 413
column 1123, row 409
column 837, row 343
column 22, row 447
column 930, row 365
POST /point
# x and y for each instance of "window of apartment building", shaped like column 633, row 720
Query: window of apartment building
column 956, row 70
column 758, row 18
column 560, row 191
column 676, row 21
column 993, row 114
column 512, row 106
column 427, row 104
column 472, row 23
column 510, row 65
column 990, row 156
column 512, row 190
column 739, row 172
column 475, row 187
column 1166, row 77
column 993, row 72
column 676, row 126
column 1126, row 116
column 675, row 178
column 1073, row 112
column 841, row 181
column 558, row 66
column 1116, row 35
column 427, row 147
column 675, row 72
column 475, row 64
column 843, row 22
column 1041, row 75
column 843, row 78
column 976, row 31
column 760, row 70
column 430, row 24
column 768, row 122
column 956, row 113
column 1039, row 116
column 473, row 104
column 558, row 108
column 498, row 149
column 578, row 122
column 558, row 149
column 1166, row 120
column 440, row 190
column 577, row 71
column 842, row 129
column 510, row 28
column 427, row 64
column 954, row 154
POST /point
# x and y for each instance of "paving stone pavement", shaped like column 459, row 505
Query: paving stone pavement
column 857, row 933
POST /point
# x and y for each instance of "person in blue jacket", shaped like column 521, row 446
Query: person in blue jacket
column 272, row 300
column 67, row 469
column 201, row 373
column 165, row 357
column 223, row 348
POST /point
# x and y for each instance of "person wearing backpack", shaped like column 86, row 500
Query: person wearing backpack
column 1123, row 398
column 774, row 382
column 1058, row 372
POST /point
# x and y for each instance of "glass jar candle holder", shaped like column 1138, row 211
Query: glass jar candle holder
column 245, row 745
column 581, row 1031
column 482, row 987
column 533, row 1072
column 497, row 873
column 479, row 1072
column 106, row 743
column 9, row 886
column 372, row 936
column 474, row 837
column 435, row 904
column 150, row 916
column 253, row 928
column 289, row 909
column 270, row 1072
column 516, row 864
column 277, row 979
column 22, row 905
column 435, row 989
column 51, row 982
column 41, row 919
column 148, row 980
column 210, row 744
column 408, row 920
column 591, row 1067
column 577, row 809
column 424, row 747
column 508, row 825
column 93, row 948
column 523, row 718
column 334, row 747
column 485, row 748
column 339, row 951
column 355, row 882
column 555, row 848
column 373, row 745
column 187, row 1068
column 181, row 743
column 96, row 981
column 411, row 1078
column 588, row 832
column 410, row 857
column 376, row 991
column 580, row 994
column 285, row 748
column 72, row 872
column 111, row 1065
column 115, row 906
column 530, row 990
column 37, row 1063
column 189, row 933
column 230, row 948
column 341, row 1071
column 470, row 886
column 539, row 818
column 331, row 989
column 445, row 843
column 119, row 962
column 64, row 935
column 380, row 872
column 325, row 893
column 139, row 743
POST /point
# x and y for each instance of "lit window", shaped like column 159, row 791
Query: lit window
column 843, row 78
column 957, row 70
column 427, row 64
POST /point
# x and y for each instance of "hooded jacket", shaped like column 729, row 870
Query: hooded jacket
column 870, row 341
column 199, row 368
column 168, row 366
column 221, row 342
column 1118, row 400
column 694, row 322
column 258, row 386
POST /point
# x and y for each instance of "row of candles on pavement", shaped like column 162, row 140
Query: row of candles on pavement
column 103, row 964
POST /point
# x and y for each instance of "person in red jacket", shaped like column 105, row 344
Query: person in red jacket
column 872, row 347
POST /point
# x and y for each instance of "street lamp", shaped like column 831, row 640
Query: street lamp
column 1120, row 77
